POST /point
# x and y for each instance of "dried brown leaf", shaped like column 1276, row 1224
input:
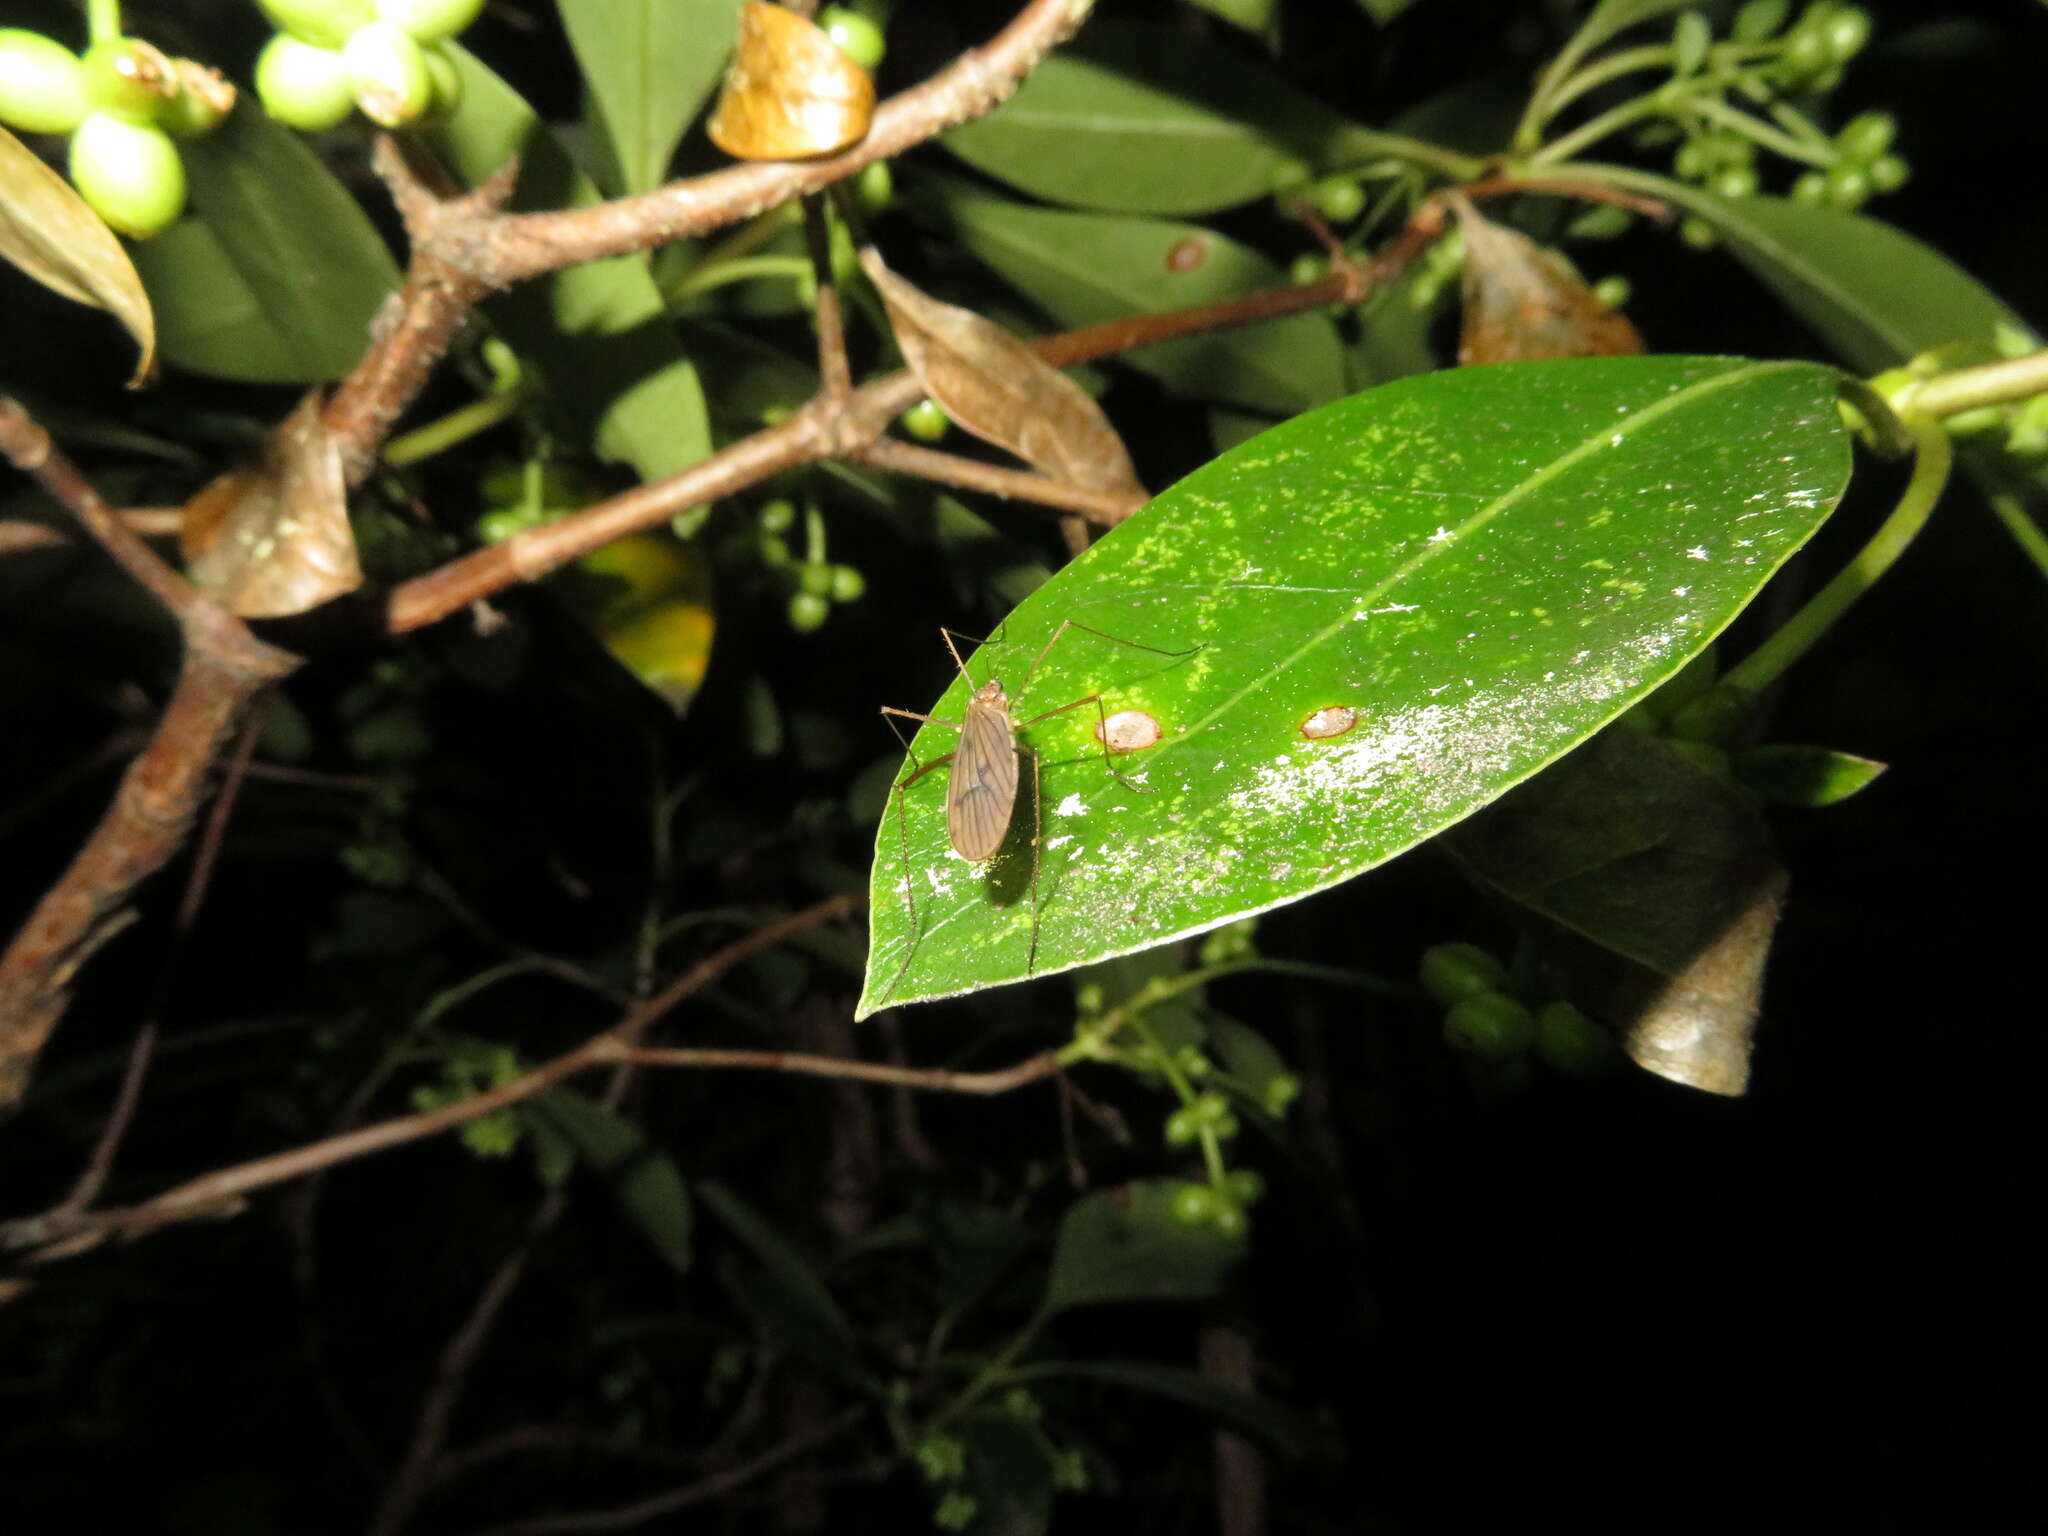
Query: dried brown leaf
column 47, row 230
column 272, row 539
column 1522, row 302
column 789, row 93
column 994, row 386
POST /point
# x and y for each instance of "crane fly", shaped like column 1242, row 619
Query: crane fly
column 981, row 794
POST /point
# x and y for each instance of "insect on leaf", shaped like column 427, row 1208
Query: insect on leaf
column 1482, row 565
column 995, row 387
column 1522, row 302
column 790, row 92
column 272, row 539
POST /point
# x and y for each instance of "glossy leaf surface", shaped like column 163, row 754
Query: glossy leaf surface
column 1084, row 268
column 1127, row 1245
column 276, row 274
column 1487, row 565
column 646, row 1184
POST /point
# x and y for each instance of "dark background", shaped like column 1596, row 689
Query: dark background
column 1608, row 1306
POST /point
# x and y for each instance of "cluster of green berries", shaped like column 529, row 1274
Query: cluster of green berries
column 1864, row 165
column 1484, row 1021
column 471, row 1070
column 387, row 57
column 942, row 1459
column 120, row 103
column 817, row 583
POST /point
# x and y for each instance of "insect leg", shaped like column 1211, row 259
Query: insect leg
column 896, row 793
column 1102, row 736
column 1100, row 634
column 1037, row 855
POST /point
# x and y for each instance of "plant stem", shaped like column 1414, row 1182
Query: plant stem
column 706, row 276
column 1761, row 132
column 102, row 20
column 1966, row 389
column 1935, row 458
column 1528, row 133
column 1613, row 120
column 457, row 426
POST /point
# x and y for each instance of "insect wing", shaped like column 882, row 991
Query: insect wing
column 982, row 790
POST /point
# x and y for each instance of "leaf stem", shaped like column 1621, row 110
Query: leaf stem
column 1761, row 132
column 102, row 20
column 706, row 275
column 1967, row 389
column 457, row 426
column 1935, row 457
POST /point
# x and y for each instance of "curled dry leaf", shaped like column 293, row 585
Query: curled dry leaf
column 995, row 387
column 272, row 539
column 790, row 93
column 47, row 230
column 1522, row 302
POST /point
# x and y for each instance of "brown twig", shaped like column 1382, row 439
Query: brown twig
column 224, row 668
column 835, row 374
column 1105, row 508
column 931, row 1079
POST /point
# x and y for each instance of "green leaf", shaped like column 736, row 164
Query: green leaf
column 1144, row 119
column 1486, row 564
column 1252, row 15
column 1083, row 268
column 275, row 276
column 1258, row 1417
column 1127, row 1245
column 1806, row 776
column 645, row 1183
column 597, row 333
column 1874, row 293
column 1384, row 11
column 649, row 65
column 48, row 231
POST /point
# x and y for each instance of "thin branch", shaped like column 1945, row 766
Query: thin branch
column 1106, row 508
column 932, row 1079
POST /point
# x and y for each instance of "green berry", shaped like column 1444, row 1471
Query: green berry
column 128, row 78
column 778, row 516
column 1848, row 186
column 388, row 73
column 1613, row 291
column 1807, row 55
column 1195, row 1205
column 1602, row 221
column 1691, row 159
column 430, row 21
column 1229, row 1220
column 1450, row 973
column 855, row 36
column 1811, row 189
column 42, row 83
column 1340, row 199
column 1846, row 31
column 807, row 611
column 1736, row 181
column 1758, row 20
column 815, row 580
column 774, row 551
column 1243, row 1186
column 1183, row 1126
column 1307, row 267
column 689, row 522
column 848, row 585
column 1489, row 1025
column 875, row 186
column 326, row 23
column 204, row 98
column 1281, row 1090
column 1698, row 233
column 926, row 421
column 303, row 86
column 129, row 173
column 1866, row 136
column 497, row 527
column 1572, row 1044
column 1888, row 173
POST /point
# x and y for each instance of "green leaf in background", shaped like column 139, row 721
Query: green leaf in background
column 1485, row 565
column 276, row 274
column 642, row 1180
column 1127, row 1245
column 1874, row 293
column 598, row 332
column 48, row 231
column 1384, row 11
column 649, row 65
column 1808, row 777
column 1144, row 119
column 1252, row 15
column 1259, row 1417
column 1083, row 268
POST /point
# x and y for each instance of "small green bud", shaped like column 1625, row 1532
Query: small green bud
column 1183, row 1126
column 324, row 23
column 388, row 73
column 42, row 83
column 204, row 98
column 875, row 187
column 1811, row 189
column 129, row 79
column 816, row 580
column 807, row 612
column 129, row 173
column 854, row 35
column 1691, row 159
column 1489, row 1025
column 1450, row 973
column 1307, row 267
column 1244, row 1186
column 1846, row 31
column 1734, row 182
column 1807, row 54
column 1602, row 221
column 1613, row 291
column 1888, row 173
column 1866, row 136
column 926, row 421
column 303, row 86
column 1195, row 1205
column 773, row 549
column 689, row 522
column 1340, row 199
column 848, row 585
column 430, row 21
column 1229, row 1220
column 1570, row 1043
column 778, row 516
column 1848, row 186
column 1698, row 233
column 1759, row 19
